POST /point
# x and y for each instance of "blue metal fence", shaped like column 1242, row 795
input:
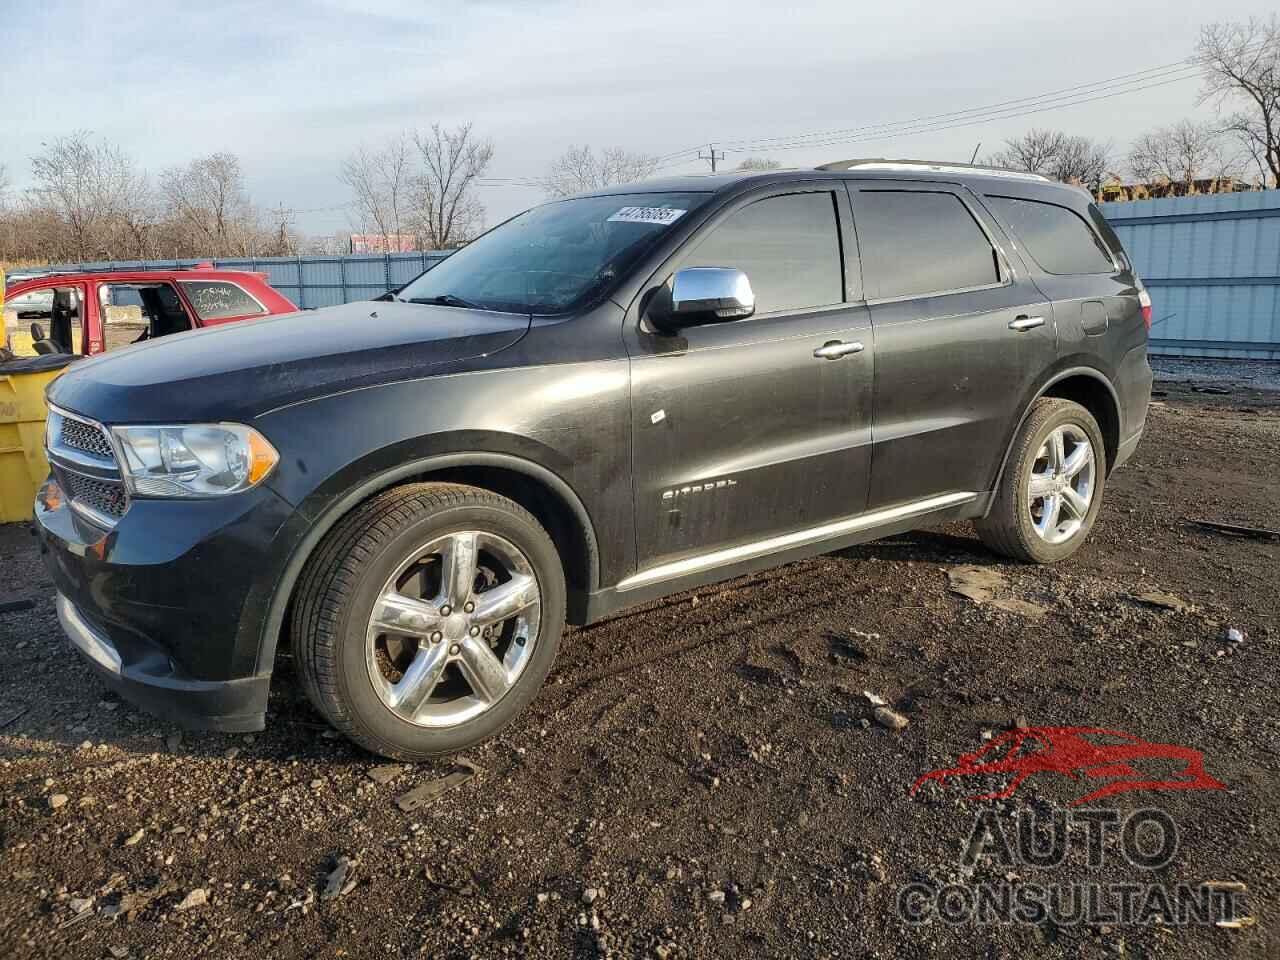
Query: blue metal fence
column 1213, row 266
column 1212, row 263
column 312, row 281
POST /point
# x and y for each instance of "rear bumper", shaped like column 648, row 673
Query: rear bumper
column 231, row 706
column 1125, row 450
column 1133, row 385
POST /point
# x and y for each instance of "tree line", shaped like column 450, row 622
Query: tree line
column 420, row 188
column 91, row 201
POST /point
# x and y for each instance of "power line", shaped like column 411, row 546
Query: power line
column 888, row 131
column 1135, row 81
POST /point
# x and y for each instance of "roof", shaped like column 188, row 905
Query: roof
column 978, row 178
column 140, row 274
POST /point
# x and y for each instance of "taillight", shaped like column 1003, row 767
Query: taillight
column 1144, row 301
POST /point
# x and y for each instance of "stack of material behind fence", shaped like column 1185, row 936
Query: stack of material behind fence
column 1213, row 265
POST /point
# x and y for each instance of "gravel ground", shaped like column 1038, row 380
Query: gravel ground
column 703, row 776
column 1224, row 374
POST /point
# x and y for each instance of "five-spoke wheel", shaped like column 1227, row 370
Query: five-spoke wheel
column 428, row 618
column 453, row 628
column 1061, row 485
column 1051, row 486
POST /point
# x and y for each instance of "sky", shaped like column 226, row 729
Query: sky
column 292, row 86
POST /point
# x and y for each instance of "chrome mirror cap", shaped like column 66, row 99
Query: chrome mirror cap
column 711, row 295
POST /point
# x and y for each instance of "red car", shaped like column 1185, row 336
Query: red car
column 89, row 313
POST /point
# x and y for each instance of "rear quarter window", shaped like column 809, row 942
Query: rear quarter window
column 1058, row 239
column 219, row 299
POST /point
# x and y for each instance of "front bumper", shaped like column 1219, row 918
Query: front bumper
column 230, row 706
column 164, row 606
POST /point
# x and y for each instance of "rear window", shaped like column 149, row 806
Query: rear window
column 915, row 243
column 219, row 300
column 1058, row 239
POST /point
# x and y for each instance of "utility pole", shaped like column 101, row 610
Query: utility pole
column 712, row 156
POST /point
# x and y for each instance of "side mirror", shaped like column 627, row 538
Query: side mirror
column 702, row 295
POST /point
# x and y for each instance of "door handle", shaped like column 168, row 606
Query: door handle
column 1023, row 322
column 837, row 349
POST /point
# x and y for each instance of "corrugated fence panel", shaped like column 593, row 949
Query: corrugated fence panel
column 309, row 281
column 1212, row 263
column 1213, row 266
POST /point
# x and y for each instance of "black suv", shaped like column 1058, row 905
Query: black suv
column 604, row 400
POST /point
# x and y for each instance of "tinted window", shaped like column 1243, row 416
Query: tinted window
column 916, row 243
column 1108, row 235
column 1057, row 238
column 217, row 300
column 788, row 246
column 555, row 258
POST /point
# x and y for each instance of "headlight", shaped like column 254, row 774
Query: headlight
column 195, row 460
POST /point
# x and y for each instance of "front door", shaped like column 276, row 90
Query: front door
column 741, row 432
column 962, row 333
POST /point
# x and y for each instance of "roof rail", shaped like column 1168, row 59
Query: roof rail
column 976, row 169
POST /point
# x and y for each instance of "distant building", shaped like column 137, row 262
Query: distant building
column 383, row 243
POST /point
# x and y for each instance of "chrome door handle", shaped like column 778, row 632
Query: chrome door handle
column 836, row 349
column 1026, row 323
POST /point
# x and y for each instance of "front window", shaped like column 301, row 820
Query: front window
column 50, row 316
column 554, row 258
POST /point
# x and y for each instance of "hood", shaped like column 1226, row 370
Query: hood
column 239, row 370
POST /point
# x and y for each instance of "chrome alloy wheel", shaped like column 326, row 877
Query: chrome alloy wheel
column 453, row 628
column 1061, row 486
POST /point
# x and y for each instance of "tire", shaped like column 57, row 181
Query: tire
column 426, row 688
column 1017, row 524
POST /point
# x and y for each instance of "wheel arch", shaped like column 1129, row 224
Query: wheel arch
column 1086, row 386
column 536, row 488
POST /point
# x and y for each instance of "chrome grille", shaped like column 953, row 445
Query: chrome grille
column 84, row 462
column 106, row 497
column 79, row 435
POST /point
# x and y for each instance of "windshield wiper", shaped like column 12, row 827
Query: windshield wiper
column 446, row 300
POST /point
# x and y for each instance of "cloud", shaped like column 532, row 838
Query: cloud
column 292, row 86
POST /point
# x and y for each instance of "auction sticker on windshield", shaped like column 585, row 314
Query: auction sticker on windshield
column 665, row 216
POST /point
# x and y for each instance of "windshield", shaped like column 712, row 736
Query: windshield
column 554, row 258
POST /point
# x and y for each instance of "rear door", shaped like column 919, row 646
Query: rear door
column 740, row 431
column 961, row 335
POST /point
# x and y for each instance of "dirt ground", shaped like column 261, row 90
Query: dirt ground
column 702, row 777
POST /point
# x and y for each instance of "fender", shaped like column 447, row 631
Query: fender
column 1058, row 377
column 340, row 506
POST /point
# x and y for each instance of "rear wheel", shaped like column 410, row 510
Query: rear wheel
column 428, row 619
column 1051, row 489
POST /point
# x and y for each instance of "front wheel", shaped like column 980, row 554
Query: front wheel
column 1052, row 485
column 428, row 619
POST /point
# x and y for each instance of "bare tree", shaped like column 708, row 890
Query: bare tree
column 760, row 163
column 86, row 185
column 447, row 210
column 4, row 184
column 208, row 197
column 579, row 169
column 1034, row 152
column 1180, row 153
column 1051, row 153
column 381, row 181
column 1241, row 62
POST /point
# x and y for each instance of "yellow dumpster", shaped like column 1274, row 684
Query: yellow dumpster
column 23, row 466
